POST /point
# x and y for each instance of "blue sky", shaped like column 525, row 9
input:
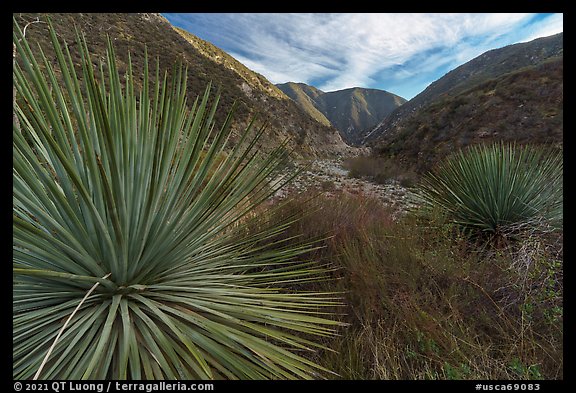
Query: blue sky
column 400, row 53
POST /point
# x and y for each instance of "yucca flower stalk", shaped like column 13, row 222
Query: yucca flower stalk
column 499, row 189
column 128, row 207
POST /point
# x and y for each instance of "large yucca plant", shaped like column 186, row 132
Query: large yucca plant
column 127, row 256
column 498, row 189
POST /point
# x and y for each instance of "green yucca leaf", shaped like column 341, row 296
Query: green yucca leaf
column 498, row 189
column 136, row 196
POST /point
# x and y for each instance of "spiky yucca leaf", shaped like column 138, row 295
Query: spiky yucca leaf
column 498, row 188
column 130, row 190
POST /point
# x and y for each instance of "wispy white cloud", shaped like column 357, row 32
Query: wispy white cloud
column 337, row 51
column 552, row 25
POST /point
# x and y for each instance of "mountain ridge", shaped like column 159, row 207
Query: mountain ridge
column 350, row 110
column 489, row 64
column 305, row 96
column 515, row 96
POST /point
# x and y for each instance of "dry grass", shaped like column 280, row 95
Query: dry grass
column 422, row 303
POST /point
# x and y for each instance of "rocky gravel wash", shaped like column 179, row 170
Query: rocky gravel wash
column 331, row 178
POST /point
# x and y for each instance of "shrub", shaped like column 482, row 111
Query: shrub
column 497, row 189
column 380, row 170
column 421, row 304
column 126, row 259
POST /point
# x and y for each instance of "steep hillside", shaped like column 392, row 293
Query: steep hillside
column 487, row 66
column 354, row 110
column 253, row 79
column 132, row 32
column 525, row 106
column 351, row 111
column 306, row 97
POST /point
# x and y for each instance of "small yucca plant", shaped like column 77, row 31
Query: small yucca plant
column 497, row 189
column 126, row 213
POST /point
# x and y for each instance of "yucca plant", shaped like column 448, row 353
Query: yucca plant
column 498, row 189
column 128, row 258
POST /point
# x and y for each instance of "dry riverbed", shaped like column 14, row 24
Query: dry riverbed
column 331, row 178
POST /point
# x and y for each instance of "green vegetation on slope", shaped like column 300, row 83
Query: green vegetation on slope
column 488, row 66
column 525, row 106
